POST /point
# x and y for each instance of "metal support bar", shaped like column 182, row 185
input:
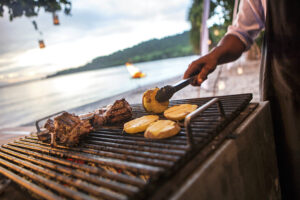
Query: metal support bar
column 192, row 115
column 47, row 117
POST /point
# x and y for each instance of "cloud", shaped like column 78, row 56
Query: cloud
column 95, row 28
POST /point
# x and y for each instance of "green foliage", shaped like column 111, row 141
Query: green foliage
column 217, row 7
column 260, row 38
column 28, row 8
column 195, row 17
column 155, row 49
column 213, row 36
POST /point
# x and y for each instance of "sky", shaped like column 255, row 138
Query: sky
column 95, row 28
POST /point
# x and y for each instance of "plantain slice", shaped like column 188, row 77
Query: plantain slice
column 178, row 112
column 151, row 105
column 139, row 124
column 162, row 129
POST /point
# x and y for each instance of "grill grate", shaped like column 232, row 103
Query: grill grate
column 109, row 164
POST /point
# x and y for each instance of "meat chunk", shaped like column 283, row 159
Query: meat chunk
column 68, row 128
column 98, row 121
column 116, row 113
column 49, row 125
column 44, row 136
column 72, row 138
column 119, row 112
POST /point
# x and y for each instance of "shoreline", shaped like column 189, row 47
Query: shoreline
column 64, row 73
column 235, row 84
column 132, row 96
column 248, row 82
column 54, row 75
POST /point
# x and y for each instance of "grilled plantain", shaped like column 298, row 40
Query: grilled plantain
column 139, row 124
column 151, row 104
column 179, row 112
column 162, row 129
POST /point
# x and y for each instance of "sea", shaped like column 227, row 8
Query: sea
column 24, row 103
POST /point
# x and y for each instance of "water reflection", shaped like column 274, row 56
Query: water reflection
column 25, row 103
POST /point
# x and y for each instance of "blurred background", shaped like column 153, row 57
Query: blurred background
column 69, row 54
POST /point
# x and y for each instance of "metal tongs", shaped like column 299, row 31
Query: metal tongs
column 165, row 93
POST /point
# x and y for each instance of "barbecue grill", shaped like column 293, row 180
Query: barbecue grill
column 110, row 164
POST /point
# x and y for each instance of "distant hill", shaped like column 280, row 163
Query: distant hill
column 155, row 49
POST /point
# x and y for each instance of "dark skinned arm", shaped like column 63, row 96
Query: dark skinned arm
column 229, row 49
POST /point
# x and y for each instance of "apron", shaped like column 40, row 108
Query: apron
column 280, row 84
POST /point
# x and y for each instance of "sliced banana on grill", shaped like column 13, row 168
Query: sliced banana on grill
column 151, row 104
column 139, row 124
column 178, row 112
column 162, row 129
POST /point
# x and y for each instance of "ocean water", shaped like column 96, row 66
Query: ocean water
column 24, row 103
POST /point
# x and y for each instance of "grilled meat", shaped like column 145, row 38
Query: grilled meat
column 72, row 138
column 119, row 112
column 49, row 125
column 88, row 116
column 44, row 136
column 98, row 121
column 68, row 128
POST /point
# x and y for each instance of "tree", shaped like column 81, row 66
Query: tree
column 221, row 8
column 28, row 8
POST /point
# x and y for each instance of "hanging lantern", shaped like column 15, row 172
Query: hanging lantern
column 221, row 85
column 41, row 44
column 216, row 32
column 55, row 19
column 240, row 70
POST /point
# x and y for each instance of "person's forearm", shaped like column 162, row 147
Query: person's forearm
column 229, row 49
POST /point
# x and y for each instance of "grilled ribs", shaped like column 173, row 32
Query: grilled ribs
column 68, row 128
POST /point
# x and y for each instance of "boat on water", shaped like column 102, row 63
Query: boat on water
column 134, row 71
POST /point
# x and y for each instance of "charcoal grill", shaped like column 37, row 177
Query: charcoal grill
column 109, row 164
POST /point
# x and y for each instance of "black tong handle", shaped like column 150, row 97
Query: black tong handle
column 183, row 83
column 165, row 93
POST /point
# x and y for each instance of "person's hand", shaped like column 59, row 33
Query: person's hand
column 201, row 67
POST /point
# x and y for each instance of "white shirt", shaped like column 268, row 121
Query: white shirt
column 250, row 21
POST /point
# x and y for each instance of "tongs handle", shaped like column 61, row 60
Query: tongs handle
column 183, row 83
column 165, row 93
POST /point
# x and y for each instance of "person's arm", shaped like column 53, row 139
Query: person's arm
column 229, row 49
column 239, row 37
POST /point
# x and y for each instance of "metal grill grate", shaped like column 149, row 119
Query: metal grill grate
column 109, row 164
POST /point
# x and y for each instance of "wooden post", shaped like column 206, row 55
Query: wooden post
column 204, row 29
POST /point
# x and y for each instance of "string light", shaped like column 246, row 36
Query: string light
column 221, row 85
column 240, row 70
column 216, row 32
column 41, row 44
column 55, row 19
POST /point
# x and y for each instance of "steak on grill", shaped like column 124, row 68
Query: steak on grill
column 119, row 112
column 68, row 128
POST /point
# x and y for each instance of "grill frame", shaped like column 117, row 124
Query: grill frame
column 177, row 157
